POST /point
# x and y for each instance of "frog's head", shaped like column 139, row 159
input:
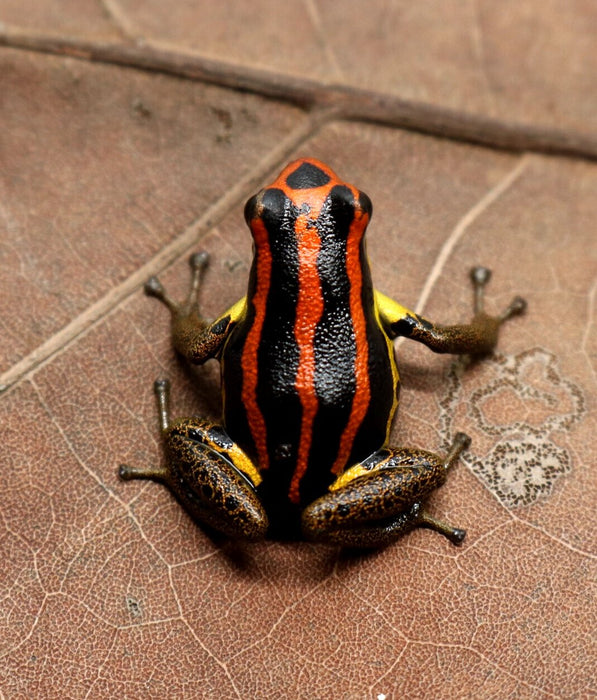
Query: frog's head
column 307, row 208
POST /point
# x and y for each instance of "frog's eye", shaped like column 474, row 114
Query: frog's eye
column 273, row 205
column 251, row 208
column 365, row 204
column 342, row 205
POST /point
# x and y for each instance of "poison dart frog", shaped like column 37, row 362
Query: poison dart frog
column 309, row 381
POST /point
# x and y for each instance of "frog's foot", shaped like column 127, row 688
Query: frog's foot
column 192, row 335
column 210, row 489
column 456, row 535
column 127, row 472
column 384, row 500
column 385, row 532
column 210, row 475
column 480, row 276
column 154, row 288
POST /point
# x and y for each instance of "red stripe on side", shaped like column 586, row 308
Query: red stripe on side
column 362, row 397
column 249, row 357
column 308, row 313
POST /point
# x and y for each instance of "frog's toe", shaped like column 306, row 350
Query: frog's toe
column 154, row 288
column 458, row 535
column 127, row 473
column 455, row 535
column 480, row 275
column 462, row 442
column 199, row 260
column 517, row 306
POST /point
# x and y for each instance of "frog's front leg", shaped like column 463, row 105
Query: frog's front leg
column 478, row 337
column 193, row 336
column 377, row 501
column 209, row 474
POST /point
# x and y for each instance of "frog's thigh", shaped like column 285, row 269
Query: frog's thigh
column 379, row 505
column 214, row 491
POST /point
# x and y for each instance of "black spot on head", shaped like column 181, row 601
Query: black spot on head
column 307, row 176
column 342, row 207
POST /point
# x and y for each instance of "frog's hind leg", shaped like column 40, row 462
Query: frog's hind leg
column 160, row 473
column 200, row 472
column 384, row 500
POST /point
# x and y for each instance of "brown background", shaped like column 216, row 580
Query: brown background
column 111, row 172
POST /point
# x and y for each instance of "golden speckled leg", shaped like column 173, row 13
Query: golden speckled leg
column 379, row 506
column 212, row 478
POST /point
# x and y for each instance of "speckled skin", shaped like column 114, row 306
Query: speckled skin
column 363, row 514
column 302, row 447
column 199, row 471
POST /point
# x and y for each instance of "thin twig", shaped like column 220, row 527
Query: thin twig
column 342, row 101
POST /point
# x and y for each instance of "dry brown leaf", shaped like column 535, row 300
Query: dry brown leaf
column 109, row 174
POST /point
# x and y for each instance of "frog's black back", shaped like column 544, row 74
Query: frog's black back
column 302, row 366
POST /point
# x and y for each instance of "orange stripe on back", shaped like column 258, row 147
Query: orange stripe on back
column 361, row 400
column 308, row 313
column 309, row 305
column 250, row 351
